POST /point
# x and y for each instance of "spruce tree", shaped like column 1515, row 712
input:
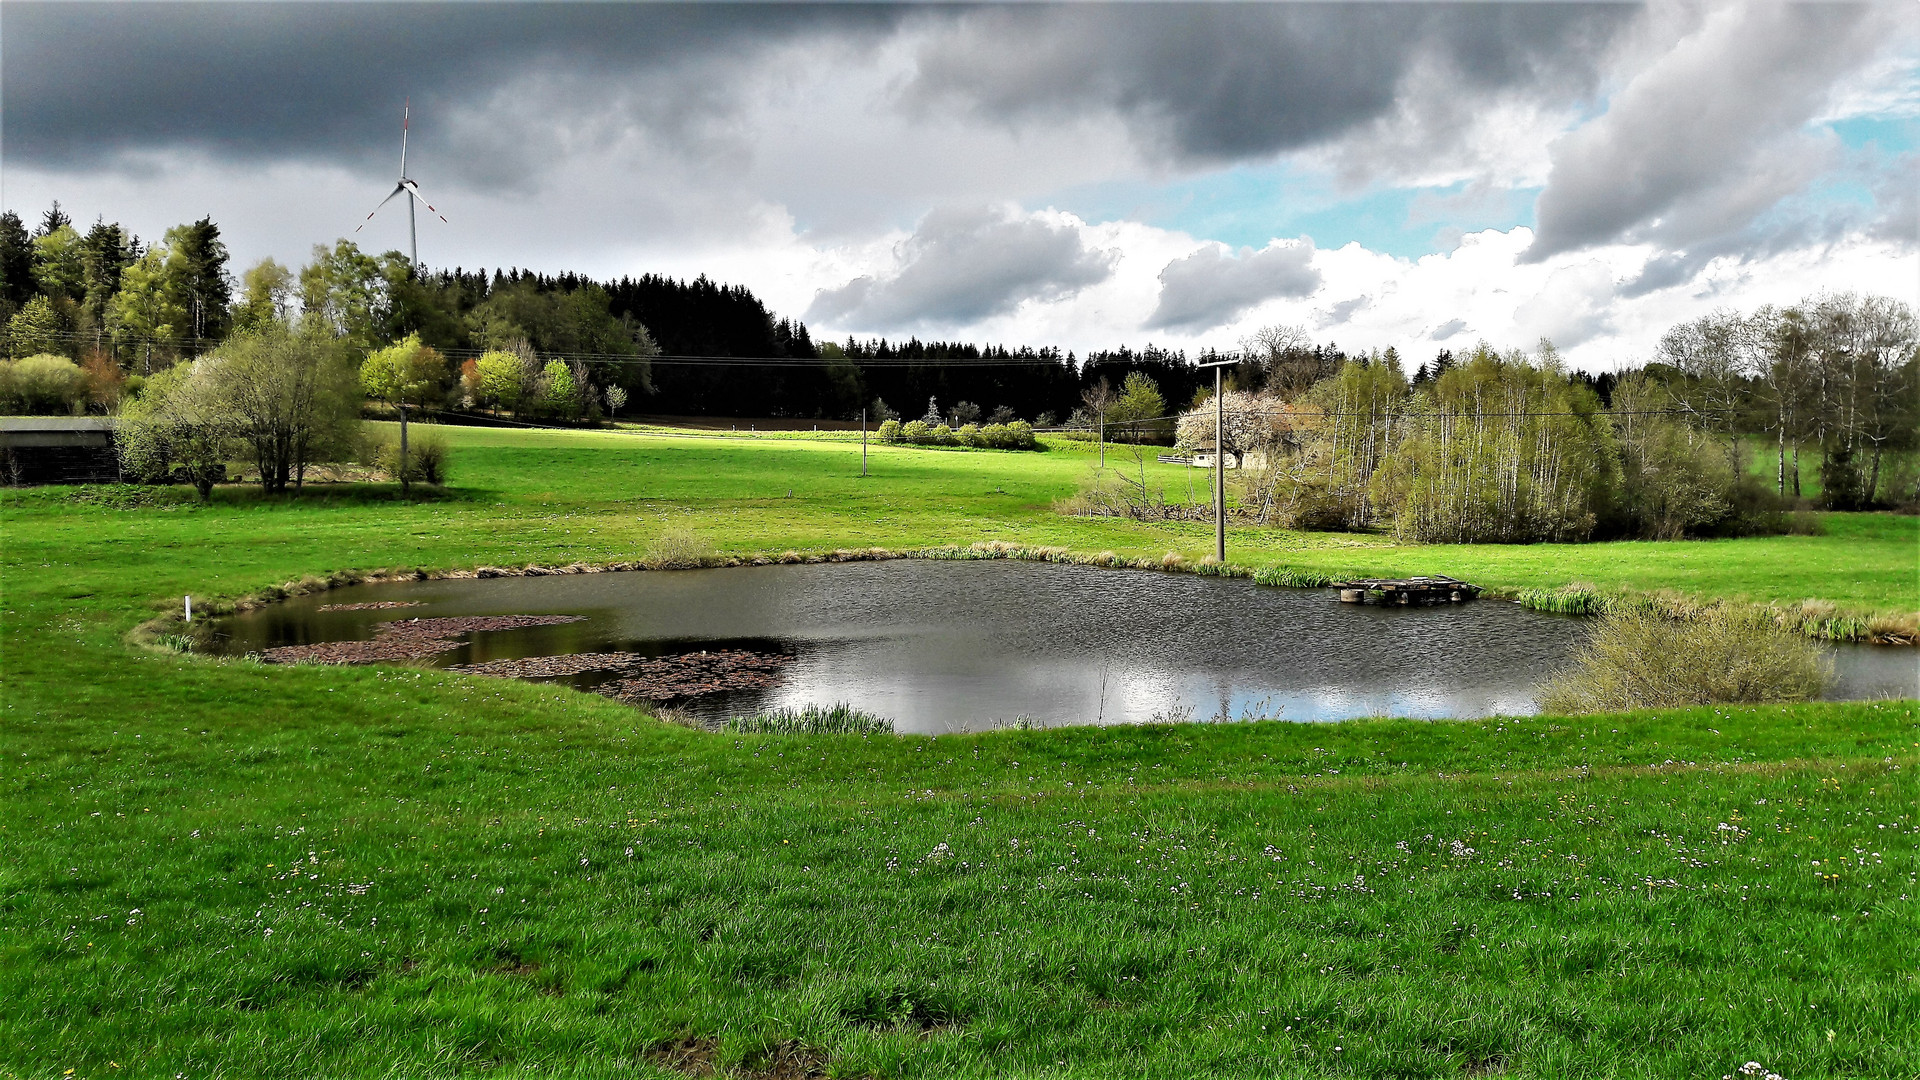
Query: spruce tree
column 16, row 262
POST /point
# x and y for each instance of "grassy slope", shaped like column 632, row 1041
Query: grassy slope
column 1603, row 922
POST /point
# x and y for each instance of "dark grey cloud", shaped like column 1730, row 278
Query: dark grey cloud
column 86, row 83
column 1709, row 136
column 962, row 265
column 1213, row 286
column 1239, row 81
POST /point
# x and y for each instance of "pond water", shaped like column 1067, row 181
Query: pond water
column 952, row 646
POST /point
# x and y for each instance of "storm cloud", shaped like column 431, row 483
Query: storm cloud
column 962, row 265
column 86, row 83
column 1707, row 137
column 1214, row 286
column 1242, row 81
column 1137, row 160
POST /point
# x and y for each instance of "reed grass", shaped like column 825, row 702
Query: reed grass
column 1640, row 658
column 839, row 718
column 678, row 548
column 1296, row 577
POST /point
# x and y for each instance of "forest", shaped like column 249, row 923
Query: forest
column 115, row 307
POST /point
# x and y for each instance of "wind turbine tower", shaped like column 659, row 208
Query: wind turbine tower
column 409, row 188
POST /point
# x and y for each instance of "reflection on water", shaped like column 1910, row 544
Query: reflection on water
column 946, row 646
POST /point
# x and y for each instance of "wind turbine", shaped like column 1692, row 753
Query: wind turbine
column 406, row 187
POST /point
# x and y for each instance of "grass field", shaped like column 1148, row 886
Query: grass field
column 217, row 868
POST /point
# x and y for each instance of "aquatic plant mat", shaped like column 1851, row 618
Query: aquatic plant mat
column 650, row 678
column 373, row 605
column 407, row 639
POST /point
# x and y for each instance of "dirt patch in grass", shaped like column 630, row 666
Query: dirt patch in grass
column 786, row 1060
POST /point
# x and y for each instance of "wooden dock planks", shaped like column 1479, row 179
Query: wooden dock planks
column 1406, row 592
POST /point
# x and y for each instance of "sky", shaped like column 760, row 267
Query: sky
column 1417, row 175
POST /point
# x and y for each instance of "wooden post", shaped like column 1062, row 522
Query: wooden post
column 403, row 448
column 863, row 442
column 1219, row 472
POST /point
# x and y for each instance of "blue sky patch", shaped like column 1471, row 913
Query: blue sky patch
column 1250, row 206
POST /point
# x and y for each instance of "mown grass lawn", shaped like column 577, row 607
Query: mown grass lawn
column 217, row 868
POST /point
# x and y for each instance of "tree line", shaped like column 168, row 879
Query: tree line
column 1513, row 446
column 114, row 307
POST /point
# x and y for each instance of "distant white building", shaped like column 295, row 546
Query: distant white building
column 1202, row 457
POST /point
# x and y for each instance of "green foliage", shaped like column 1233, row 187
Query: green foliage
column 1326, row 452
column 502, row 379
column 560, row 392
column 42, row 384
column 1137, row 414
column 345, row 289
column 836, row 719
column 197, row 262
column 405, row 373
column 181, row 420
column 1566, row 600
column 1503, row 450
column 1641, row 658
column 429, row 457
column 104, row 255
column 295, row 397
column 1295, row 577
column 269, row 293
column 16, row 263
column 1017, row 435
column 147, row 316
column 36, row 329
column 59, row 264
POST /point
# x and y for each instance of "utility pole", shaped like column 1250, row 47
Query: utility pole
column 403, row 448
column 1219, row 463
column 863, row 442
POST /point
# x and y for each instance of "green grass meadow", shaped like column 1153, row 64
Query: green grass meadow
column 218, row 868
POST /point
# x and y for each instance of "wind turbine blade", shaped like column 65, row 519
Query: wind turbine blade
column 397, row 189
column 413, row 189
column 406, row 121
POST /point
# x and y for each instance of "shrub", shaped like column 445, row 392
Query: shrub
column 1638, row 658
column 1842, row 487
column 678, row 549
column 1017, row 435
column 44, row 383
column 428, row 458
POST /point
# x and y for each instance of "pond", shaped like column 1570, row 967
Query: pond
column 950, row 646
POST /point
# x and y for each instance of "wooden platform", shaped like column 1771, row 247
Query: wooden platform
column 1406, row 592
